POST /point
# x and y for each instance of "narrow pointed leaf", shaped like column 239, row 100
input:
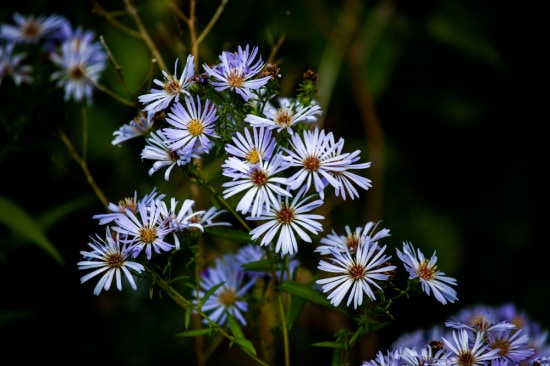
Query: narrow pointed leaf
column 329, row 345
column 17, row 219
column 194, row 332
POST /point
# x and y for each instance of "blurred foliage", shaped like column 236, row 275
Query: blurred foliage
column 456, row 86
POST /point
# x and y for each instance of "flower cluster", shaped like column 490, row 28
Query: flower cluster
column 278, row 165
column 78, row 59
column 275, row 168
column 477, row 335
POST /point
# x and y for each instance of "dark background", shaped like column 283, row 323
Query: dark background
column 458, row 90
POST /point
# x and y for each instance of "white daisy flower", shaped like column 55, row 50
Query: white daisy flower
column 193, row 126
column 237, row 72
column 287, row 219
column 356, row 272
column 170, row 88
column 138, row 126
column 252, row 147
column 230, row 297
column 469, row 352
column 81, row 62
column 314, row 153
column 287, row 114
column 431, row 279
column 146, row 230
column 111, row 259
column 260, row 183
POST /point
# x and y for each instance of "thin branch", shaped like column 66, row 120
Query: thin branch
column 116, row 65
column 97, row 9
column 144, row 35
column 82, row 163
column 212, row 21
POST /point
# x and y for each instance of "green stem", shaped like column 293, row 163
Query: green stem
column 285, row 328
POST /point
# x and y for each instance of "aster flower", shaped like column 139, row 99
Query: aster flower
column 539, row 361
column 11, row 66
column 230, row 297
column 513, row 345
column 352, row 239
column 206, row 218
column 237, row 72
column 139, row 126
column 179, row 219
column 313, row 153
column 111, row 259
column 426, row 356
column 283, row 117
column 349, row 180
column 390, row 358
column 469, row 352
column 252, row 148
column 81, row 61
column 171, row 88
column 127, row 204
column 286, row 219
column 261, row 184
column 193, row 126
column 356, row 272
column 145, row 231
column 31, row 29
column 157, row 149
column 426, row 271
column 480, row 323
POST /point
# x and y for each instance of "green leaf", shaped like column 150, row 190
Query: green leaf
column 17, row 219
column 307, row 292
column 229, row 234
column 246, row 345
column 235, row 327
column 187, row 317
column 194, row 332
column 51, row 217
column 327, row 344
column 240, row 339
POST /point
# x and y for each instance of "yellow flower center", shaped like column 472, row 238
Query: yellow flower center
column 253, row 156
column 195, row 127
column 148, row 234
